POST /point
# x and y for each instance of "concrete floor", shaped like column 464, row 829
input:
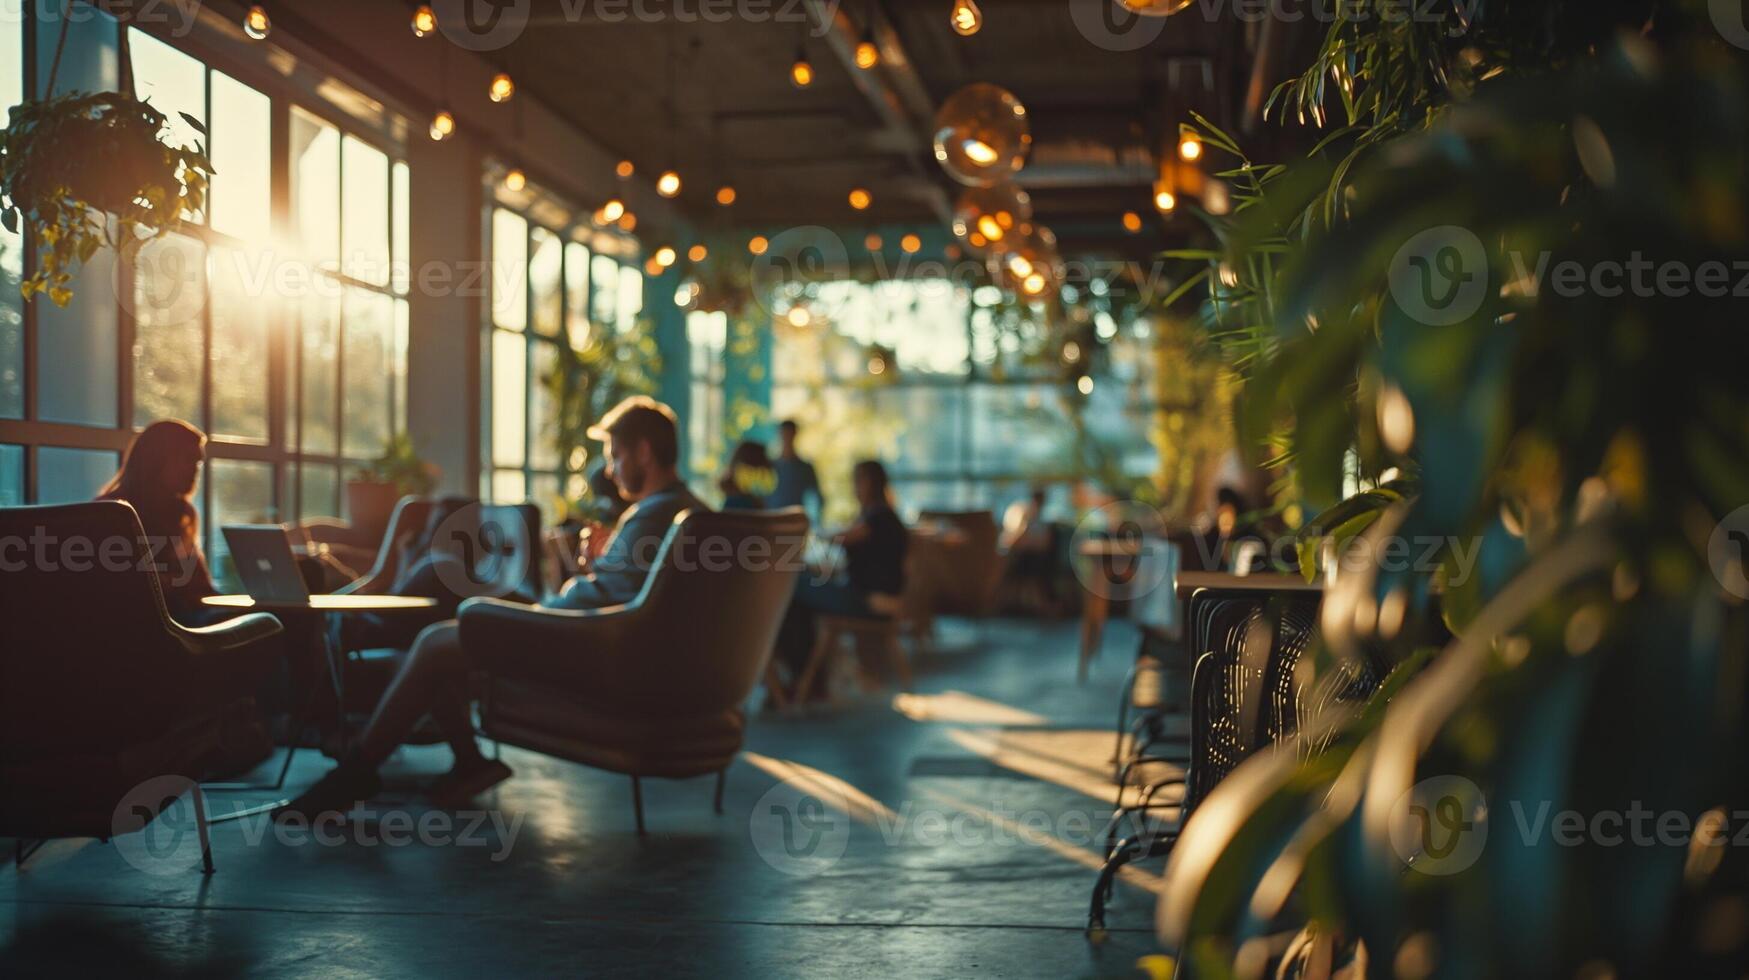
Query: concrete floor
column 946, row 834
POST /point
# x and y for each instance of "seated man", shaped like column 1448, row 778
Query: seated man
column 642, row 449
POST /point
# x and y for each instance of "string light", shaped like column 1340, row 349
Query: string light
column 613, row 209
column 624, row 169
column 515, row 180
column 424, row 20
column 1164, row 199
column 628, row 222
column 256, row 23
column 502, row 88
column 872, row 242
column 798, row 316
column 1189, row 148
column 910, row 244
column 697, row 253
column 801, row 74
column 868, row 54
column 725, row 195
column 1132, row 222
column 757, row 245
column 966, row 18
column 442, row 125
column 859, row 199
column 668, row 184
column 665, row 256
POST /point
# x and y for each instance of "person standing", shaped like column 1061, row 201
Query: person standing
column 796, row 478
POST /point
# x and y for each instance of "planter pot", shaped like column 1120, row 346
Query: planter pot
column 368, row 507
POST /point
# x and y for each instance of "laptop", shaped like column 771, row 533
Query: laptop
column 264, row 560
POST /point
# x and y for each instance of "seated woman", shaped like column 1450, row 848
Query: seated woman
column 874, row 564
column 747, row 478
column 157, row 477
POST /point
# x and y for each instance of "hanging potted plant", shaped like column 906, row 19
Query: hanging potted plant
column 87, row 170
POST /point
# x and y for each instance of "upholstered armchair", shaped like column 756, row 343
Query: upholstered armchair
column 655, row 687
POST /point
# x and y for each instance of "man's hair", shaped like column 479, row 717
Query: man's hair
column 641, row 418
column 788, row 427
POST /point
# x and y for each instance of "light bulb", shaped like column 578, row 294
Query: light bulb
column 613, row 209
column 665, row 256
column 1165, row 200
column 424, row 20
column 668, row 184
column 979, row 152
column 502, row 88
column 757, row 245
column 966, row 18
column 628, row 221
column 697, row 253
column 624, row 169
column 859, row 199
column 256, row 23
column 442, row 125
column 976, row 240
column 868, row 54
column 1020, row 265
column 872, row 242
column 725, row 195
column 798, row 316
column 1033, row 284
column 801, row 74
column 989, row 227
column 652, row 268
column 910, row 244
column 1189, row 148
column 1132, row 222
column 515, row 180
column 1085, row 385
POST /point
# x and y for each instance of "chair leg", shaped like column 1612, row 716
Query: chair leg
column 638, row 804
column 822, row 647
column 774, row 692
column 206, row 843
column 718, row 802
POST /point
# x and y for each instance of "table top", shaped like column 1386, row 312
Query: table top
column 1189, row 582
column 327, row 603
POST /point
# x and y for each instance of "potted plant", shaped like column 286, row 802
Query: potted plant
column 376, row 487
column 85, row 170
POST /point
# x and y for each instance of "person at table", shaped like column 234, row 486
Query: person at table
column 158, row 477
column 874, row 564
column 747, row 478
column 642, row 449
column 796, row 479
column 1030, row 541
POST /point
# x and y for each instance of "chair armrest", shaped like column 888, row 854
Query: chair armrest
column 231, row 634
column 547, row 645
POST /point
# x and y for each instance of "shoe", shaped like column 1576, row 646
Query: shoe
column 459, row 786
column 337, row 792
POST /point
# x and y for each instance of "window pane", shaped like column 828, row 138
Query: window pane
column 319, row 491
column 543, row 452
column 509, row 270
column 90, row 62
column 544, row 262
column 706, row 335
column 242, row 493
column 11, row 476
column 68, row 475
column 401, row 229
column 76, row 348
column 368, row 369
column 543, row 492
column 169, row 293
column 508, row 487
column 239, row 198
column 11, row 246
column 509, row 397
column 577, row 293
column 604, row 272
column 631, row 296
column 239, row 354
column 320, row 332
column 315, row 154
column 365, row 211
column 403, row 316
column 173, row 82
column 1018, row 429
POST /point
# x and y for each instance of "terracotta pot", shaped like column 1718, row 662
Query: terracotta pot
column 368, row 507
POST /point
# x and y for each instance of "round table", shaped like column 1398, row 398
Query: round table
column 325, row 603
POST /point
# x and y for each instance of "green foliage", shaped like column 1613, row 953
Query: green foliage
column 88, row 170
column 401, row 467
column 585, row 382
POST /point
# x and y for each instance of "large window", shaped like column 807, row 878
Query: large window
column 707, row 336
column 549, row 292
column 213, row 324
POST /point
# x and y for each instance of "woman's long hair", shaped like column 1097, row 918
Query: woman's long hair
column 141, row 480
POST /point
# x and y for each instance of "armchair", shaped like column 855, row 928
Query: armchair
column 100, row 690
column 654, row 687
